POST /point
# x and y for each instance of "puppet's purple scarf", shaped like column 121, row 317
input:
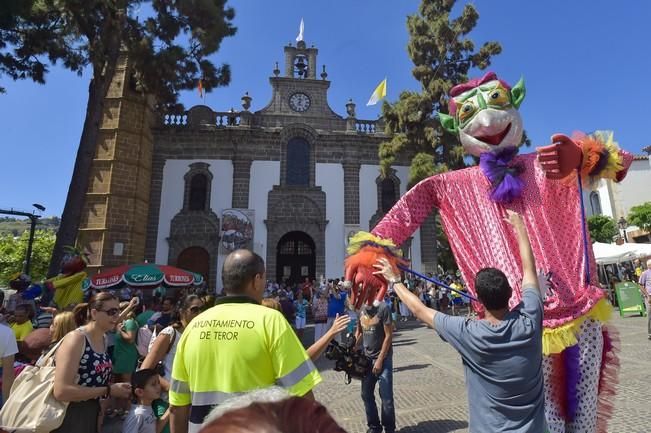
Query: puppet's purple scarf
column 503, row 175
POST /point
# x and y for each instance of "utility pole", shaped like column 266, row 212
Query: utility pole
column 33, row 219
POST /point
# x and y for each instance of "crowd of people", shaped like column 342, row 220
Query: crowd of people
column 114, row 354
column 188, row 362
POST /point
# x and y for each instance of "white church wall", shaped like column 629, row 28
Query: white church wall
column 368, row 203
column 635, row 189
column 264, row 175
column 173, row 188
column 330, row 177
column 617, row 199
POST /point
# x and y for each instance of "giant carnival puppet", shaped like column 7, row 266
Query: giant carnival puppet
column 580, row 364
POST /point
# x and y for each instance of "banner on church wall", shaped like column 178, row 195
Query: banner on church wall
column 237, row 229
column 349, row 231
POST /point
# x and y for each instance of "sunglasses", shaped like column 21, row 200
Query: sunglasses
column 195, row 309
column 111, row 311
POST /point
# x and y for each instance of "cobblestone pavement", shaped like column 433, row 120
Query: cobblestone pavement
column 430, row 394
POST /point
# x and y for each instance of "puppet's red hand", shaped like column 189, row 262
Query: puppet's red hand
column 560, row 158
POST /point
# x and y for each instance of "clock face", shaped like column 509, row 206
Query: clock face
column 299, row 102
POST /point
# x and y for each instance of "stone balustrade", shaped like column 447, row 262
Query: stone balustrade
column 201, row 116
column 366, row 126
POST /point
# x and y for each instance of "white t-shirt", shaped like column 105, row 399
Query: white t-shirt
column 141, row 419
column 169, row 358
column 8, row 345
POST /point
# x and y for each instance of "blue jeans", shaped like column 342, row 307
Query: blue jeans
column 386, row 395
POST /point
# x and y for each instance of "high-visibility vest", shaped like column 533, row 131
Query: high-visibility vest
column 235, row 347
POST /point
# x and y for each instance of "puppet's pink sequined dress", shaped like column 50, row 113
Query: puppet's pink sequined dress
column 480, row 237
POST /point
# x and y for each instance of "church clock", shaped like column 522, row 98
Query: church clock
column 299, row 102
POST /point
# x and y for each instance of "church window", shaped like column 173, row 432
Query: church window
column 388, row 196
column 298, row 162
column 595, row 203
column 303, row 249
column 287, row 248
column 198, row 192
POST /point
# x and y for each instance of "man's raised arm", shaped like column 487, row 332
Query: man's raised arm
column 529, row 276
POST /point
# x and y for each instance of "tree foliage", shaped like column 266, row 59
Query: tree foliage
column 602, row 228
column 167, row 43
column 641, row 216
column 442, row 55
column 13, row 250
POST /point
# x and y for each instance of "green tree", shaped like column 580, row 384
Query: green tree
column 13, row 250
column 442, row 55
column 641, row 216
column 602, row 228
column 167, row 42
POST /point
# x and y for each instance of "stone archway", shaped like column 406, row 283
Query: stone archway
column 295, row 257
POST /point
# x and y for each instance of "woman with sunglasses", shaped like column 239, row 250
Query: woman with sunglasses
column 163, row 348
column 83, row 367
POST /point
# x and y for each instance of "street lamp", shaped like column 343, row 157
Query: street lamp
column 622, row 223
column 33, row 218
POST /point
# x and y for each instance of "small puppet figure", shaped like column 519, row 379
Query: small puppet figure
column 544, row 188
column 68, row 284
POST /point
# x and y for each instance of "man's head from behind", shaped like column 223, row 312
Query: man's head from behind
column 493, row 289
column 244, row 274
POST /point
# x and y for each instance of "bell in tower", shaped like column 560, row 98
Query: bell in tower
column 300, row 61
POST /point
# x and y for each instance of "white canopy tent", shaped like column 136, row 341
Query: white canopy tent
column 640, row 250
column 606, row 254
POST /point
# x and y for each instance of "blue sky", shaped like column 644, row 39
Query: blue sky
column 586, row 65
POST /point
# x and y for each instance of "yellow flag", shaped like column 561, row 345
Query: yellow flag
column 379, row 93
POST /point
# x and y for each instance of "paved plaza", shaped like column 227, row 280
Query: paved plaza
column 429, row 388
column 430, row 394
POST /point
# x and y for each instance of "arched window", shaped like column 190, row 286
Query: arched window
column 198, row 192
column 298, row 162
column 388, row 195
column 595, row 203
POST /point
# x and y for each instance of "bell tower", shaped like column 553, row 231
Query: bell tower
column 299, row 92
column 300, row 61
column 114, row 218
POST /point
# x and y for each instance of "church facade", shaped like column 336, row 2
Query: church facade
column 291, row 181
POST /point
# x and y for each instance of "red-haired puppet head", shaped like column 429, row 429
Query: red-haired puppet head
column 365, row 286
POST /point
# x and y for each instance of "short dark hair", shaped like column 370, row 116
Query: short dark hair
column 240, row 267
column 140, row 378
column 493, row 288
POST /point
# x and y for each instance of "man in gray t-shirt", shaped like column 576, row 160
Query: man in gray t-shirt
column 501, row 353
column 503, row 366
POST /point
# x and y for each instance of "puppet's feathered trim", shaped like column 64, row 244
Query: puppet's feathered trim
column 564, row 381
column 363, row 239
column 555, row 340
column 601, row 157
column 608, row 378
